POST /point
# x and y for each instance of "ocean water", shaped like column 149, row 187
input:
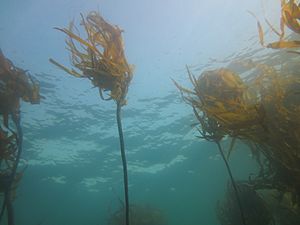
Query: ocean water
column 74, row 174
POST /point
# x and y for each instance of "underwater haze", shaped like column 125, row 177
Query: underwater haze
column 74, row 174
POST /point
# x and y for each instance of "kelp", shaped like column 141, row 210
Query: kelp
column 260, row 106
column 15, row 84
column 261, row 110
column 256, row 211
column 209, row 112
column 8, row 149
column 100, row 58
column 8, row 159
column 290, row 15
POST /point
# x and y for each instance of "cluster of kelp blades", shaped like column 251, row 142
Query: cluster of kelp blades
column 15, row 84
column 100, row 56
column 256, row 102
column 263, row 111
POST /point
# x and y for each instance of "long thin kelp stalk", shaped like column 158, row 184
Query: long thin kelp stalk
column 17, row 120
column 210, row 133
column 232, row 182
column 7, row 202
column 123, row 155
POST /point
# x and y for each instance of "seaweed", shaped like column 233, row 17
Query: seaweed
column 255, row 208
column 100, row 58
column 262, row 111
column 15, row 84
column 213, row 115
column 290, row 14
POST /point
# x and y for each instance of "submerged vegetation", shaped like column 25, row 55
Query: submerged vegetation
column 101, row 59
column 258, row 104
column 203, row 99
column 15, row 84
column 251, row 100
column 290, row 14
column 255, row 209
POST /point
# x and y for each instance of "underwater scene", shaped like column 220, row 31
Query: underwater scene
column 137, row 112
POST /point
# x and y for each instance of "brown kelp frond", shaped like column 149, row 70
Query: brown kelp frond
column 284, row 44
column 99, row 56
column 290, row 15
column 15, row 84
column 183, row 89
column 260, row 29
column 77, row 38
column 72, row 72
column 273, row 28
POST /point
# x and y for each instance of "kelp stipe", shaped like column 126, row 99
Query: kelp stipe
column 209, row 126
column 101, row 59
column 7, row 202
column 256, row 210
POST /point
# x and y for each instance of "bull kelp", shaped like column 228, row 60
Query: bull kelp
column 262, row 110
column 209, row 126
column 102, row 60
column 256, row 101
column 16, row 84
